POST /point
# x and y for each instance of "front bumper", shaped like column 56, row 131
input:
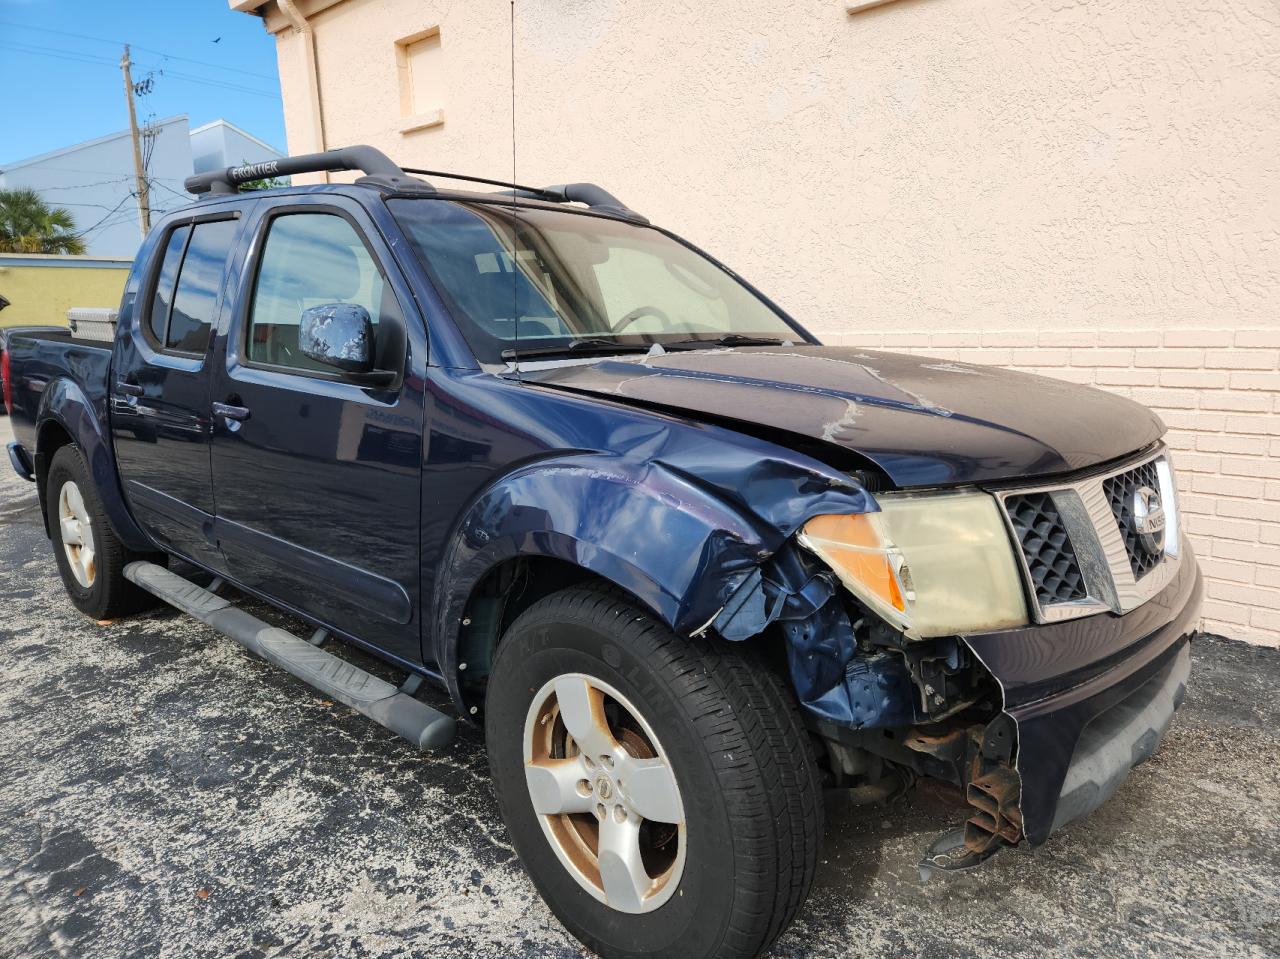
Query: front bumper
column 1091, row 698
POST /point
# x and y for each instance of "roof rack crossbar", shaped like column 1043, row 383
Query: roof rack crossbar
column 371, row 162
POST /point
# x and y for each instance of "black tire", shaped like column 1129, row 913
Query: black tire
column 109, row 595
column 743, row 763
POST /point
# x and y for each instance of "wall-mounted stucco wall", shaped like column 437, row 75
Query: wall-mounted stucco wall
column 40, row 289
column 1092, row 189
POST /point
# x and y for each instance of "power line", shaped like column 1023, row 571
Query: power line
column 116, row 43
column 123, row 200
column 57, row 54
column 79, row 186
column 209, row 82
column 180, row 196
column 74, row 56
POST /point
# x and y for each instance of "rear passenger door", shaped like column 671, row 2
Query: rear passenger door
column 159, row 389
column 317, row 475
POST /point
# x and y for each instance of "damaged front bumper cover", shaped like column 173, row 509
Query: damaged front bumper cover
column 1078, row 705
column 1092, row 697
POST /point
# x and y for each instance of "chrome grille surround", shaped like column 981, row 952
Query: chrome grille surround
column 1105, row 562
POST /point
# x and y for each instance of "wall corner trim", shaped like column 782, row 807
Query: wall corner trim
column 422, row 121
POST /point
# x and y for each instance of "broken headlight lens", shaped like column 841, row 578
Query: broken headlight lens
column 929, row 564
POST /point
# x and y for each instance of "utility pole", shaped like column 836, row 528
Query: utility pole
column 139, row 173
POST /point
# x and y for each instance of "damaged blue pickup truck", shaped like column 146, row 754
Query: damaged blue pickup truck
column 685, row 565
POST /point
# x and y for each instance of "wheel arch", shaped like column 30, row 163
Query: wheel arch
column 67, row 417
column 671, row 547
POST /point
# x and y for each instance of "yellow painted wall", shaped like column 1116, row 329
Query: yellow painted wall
column 40, row 289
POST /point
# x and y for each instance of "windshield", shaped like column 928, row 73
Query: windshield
column 559, row 279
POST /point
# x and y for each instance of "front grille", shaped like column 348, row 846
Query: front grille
column 1080, row 550
column 1051, row 559
column 1120, row 491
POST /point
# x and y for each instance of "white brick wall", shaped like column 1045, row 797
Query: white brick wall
column 1219, row 393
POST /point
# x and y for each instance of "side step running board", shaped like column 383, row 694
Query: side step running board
column 425, row 727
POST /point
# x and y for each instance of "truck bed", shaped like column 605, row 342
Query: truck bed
column 39, row 359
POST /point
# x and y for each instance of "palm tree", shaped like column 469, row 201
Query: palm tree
column 29, row 225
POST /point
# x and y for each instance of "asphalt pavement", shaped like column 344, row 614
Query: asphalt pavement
column 164, row 794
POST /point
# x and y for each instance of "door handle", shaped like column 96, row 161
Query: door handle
column 237, row 414
column 129, row 389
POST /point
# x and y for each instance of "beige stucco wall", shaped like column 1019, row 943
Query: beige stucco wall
column 986, row 175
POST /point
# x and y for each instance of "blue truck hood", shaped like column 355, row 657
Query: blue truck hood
column 924, row 422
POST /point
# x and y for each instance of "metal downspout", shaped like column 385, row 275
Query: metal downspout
column 303, row 29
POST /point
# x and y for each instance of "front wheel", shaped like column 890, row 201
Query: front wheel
column 660, row 790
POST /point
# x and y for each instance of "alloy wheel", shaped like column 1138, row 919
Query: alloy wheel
column 605, row 793
column 77, row 534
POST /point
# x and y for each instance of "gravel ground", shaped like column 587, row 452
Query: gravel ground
column 163, row 793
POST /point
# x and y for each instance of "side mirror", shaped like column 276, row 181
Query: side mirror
column 338, row 335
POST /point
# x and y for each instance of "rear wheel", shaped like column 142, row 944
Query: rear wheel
column 91, row 558
column 660, row 790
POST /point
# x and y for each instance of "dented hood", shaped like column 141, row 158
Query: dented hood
column 925, row 422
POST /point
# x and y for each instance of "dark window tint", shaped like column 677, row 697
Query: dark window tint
column 198, row 284
column 159, row 316
column 310, row 259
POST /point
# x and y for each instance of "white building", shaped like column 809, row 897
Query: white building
column 95, row 179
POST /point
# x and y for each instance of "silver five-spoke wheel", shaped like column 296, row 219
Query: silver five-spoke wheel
column 77, row 534
column 605, row 793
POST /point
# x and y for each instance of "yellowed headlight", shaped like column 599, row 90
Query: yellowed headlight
column 929, row 564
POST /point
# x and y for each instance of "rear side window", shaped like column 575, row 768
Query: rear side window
column 160, row 302
column 191, row 276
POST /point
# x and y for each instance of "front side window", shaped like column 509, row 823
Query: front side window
column 309, row 259
column 537, row 278
column 191, row 274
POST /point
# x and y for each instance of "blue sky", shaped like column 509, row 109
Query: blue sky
column 60, row 63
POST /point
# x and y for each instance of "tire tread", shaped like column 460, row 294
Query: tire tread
column 748, row 719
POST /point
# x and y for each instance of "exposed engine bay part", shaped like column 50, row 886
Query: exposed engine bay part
column 848, row 666
column 871, row 780
column 975, row 755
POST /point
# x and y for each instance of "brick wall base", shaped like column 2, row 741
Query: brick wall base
column 1219, row 393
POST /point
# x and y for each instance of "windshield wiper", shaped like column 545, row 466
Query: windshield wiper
column 729, row 339
column 590, row 344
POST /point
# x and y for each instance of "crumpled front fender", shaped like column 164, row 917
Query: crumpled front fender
column 679, row 518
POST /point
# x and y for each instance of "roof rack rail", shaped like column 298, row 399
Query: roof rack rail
column 593, row 196
column 378, row 168
column 531, row 192
column 598, row 198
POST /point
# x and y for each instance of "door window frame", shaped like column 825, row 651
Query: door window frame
column 239, row 343
column 156, row 267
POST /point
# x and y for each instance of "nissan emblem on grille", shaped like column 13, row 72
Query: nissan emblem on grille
column 1148, row 519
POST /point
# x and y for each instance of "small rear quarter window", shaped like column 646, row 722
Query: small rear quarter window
column 196, row 296
column 158, row 318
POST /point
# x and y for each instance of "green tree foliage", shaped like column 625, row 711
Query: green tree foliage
column 29, row 225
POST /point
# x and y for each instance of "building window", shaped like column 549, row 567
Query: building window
column 421, row 67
